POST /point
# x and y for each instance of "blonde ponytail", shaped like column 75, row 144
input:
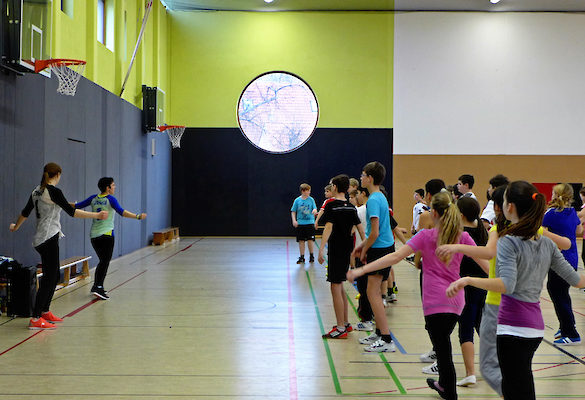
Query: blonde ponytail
column 450, row 224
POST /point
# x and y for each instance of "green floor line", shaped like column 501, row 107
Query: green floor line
column 382, row 357
column 325, row 344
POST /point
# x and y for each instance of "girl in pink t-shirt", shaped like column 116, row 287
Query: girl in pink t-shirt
column 441, row 313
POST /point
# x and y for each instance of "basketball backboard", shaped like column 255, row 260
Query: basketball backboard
column 26, row 29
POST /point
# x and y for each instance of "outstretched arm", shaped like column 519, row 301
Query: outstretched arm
column 381, row 263
column 491, row 284
column 128, row 214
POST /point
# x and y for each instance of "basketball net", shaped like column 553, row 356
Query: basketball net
column 68, row 76
column 175, row 132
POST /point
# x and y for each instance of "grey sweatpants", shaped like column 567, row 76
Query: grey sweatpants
column 488, row 352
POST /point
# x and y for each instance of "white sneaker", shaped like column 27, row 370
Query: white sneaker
column 429, row 356
column 385, row 302
column 380, row 346
column 432, row 369
column 392, row 298
column 370, row 339
column 367, row 326
column 467, row 381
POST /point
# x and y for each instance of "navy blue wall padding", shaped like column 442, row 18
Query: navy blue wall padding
column 223, row 185
column 93, row 134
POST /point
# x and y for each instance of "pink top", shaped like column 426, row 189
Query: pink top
column 437, row 276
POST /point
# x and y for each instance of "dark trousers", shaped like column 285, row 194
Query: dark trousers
column 364, row 308
column 515, row 356
column 104, row 248
column 558, row 289
column 49, row 251
column 440, row 327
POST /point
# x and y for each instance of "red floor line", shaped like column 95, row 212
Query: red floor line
column 292, row 364
column 18, row 344
column 554, row 366
column 172, row 255
column 575, row 311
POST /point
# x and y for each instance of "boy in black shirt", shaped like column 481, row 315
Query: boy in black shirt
column 339, row 217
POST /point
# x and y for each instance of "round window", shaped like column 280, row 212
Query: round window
column 278, row 112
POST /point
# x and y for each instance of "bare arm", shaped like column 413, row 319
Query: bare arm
column 293, row 215
column 363, row 248
column 360, row 229
column 399, row 233
column 381, row 263
column 491, row 284
column 562, row 242
column 486, row 252
column 318, row 217
column 19, row 221
column 324, row 239
column 128, row 214
column 87, row 214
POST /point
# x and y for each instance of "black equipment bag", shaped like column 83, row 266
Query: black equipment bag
column 21, row 290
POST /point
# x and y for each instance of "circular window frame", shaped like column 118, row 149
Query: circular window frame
column 314, row 97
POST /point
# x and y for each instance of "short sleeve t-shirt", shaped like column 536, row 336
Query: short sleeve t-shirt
column 377, row 207
column 343, row 215
column 304, row 209
column 437, row 276
column 564, row 223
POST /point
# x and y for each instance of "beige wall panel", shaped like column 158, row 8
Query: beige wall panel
column 413, row 171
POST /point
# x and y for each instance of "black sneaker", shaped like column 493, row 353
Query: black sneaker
column 100, row 293
column 312, row 259
column 301, row 260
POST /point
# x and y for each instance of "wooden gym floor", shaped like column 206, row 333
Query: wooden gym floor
column 226, row 318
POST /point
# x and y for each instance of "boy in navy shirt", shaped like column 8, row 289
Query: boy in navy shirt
column 339, row 216
column 303, row 213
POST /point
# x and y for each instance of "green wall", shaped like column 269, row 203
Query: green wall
column 347, row 58
column 76, row 37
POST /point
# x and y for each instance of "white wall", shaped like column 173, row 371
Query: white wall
column 489, row 83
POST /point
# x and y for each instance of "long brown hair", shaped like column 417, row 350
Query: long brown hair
column 530, row 206
column 450, row 223
column 50, row 171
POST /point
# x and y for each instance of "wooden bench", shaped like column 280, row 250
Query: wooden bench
column 70, row 273
column 165, row 235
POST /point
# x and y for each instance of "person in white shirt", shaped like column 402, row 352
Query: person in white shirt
column 418, row 209
column 488, row 215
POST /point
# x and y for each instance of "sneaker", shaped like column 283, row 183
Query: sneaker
column 384, row 302
column 567, row 341
column 335, row 333
column 100, row 293
column 348, row 327
column 49, row 316
column 357, row 296
column 392, row 298
column 311, row 259
column 432, row 369
column 381, row 346
column 558, row 334
column 40, row 324
column 367, row 326
column 410, row 258
column 370, row 339
column 467, row 381
column 301, row 260
column 435, row 386
column 429, row 356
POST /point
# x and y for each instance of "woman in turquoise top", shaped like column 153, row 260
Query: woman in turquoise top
column 102, row 231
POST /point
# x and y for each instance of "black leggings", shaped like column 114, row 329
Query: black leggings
column 104, row 247
column 440, row 327
column 49, row 251
column 515, row 356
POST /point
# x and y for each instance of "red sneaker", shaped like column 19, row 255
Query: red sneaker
column 40, row 324
column 335, row 334
column 348, row 327
column 49, row 316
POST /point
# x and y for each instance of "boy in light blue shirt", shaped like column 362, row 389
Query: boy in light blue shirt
column 303, row 213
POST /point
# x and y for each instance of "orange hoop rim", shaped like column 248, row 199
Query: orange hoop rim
column 163, row 128
column 42, row 64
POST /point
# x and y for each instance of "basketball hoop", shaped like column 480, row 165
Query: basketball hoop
column 175, row 132
column 68, row 72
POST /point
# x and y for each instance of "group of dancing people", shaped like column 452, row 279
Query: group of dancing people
column 489, row 279
column 47, row 201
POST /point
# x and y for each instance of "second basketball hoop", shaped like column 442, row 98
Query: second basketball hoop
column 68, row 72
